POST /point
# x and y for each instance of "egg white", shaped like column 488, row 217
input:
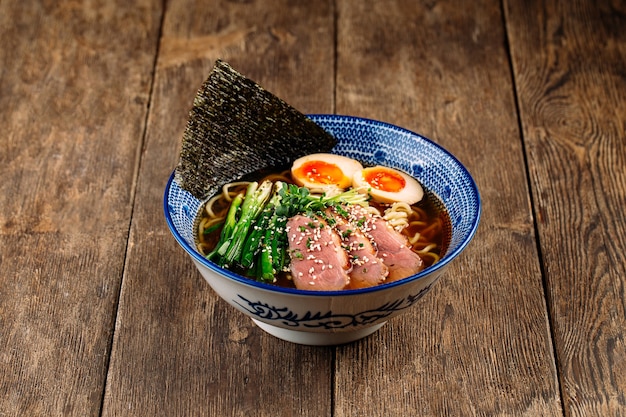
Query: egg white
column 411, row 193
column 347, row 167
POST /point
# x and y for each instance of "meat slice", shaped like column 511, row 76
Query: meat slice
column 393, row 247
column 318, row 262
column 367, row 269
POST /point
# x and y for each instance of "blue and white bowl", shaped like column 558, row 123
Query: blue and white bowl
column 336, row 317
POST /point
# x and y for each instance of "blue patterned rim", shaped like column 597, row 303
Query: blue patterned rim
column 372, row 142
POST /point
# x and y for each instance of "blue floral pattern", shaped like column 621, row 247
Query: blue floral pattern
column 328, row 320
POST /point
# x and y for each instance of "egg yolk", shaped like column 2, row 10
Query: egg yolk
column 384, row 180
column 320, row 172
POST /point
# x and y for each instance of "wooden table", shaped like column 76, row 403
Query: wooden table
column 102, row 314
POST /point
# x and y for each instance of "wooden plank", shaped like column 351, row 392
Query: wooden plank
column 74, row 83
column 569, row 65
column 178, row 349
column 479, row 343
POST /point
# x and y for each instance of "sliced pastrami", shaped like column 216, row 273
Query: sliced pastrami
column 367, row 269
column 318, row 262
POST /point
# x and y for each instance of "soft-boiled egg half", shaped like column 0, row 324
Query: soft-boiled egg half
column 387, row 185
column 324, row 170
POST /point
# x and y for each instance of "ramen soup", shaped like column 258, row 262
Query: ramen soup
column 324, row 225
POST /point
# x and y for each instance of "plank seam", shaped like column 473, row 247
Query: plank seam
column 534, row 209
column 133, row 193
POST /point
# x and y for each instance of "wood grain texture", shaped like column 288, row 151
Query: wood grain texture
column 73, row 96
column 101, row 313
column 570, row 69
column 178, row 349
column 479, row 343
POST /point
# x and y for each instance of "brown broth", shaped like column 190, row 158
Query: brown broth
column 436, row 228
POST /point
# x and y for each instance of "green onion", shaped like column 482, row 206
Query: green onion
column 231, row 243
column 254, row 235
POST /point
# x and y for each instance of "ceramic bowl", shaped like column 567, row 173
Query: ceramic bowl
column 337, row 317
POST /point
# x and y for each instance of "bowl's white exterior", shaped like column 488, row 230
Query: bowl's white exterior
column 315, row 319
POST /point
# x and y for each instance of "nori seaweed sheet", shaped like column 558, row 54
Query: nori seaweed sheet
column 236, row 127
